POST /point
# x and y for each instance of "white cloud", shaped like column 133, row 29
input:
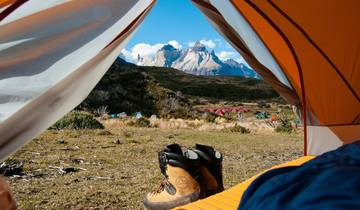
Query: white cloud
column 207, row 42
column 224, row 55
column 175, row 44
column 126, row 54
column 146, row 50
column 142, row 50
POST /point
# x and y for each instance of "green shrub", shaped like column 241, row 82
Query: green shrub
column 210, row 117
column 230, row 116
column 77, row 120
column 141, row 122
column 239, row 129
column 284, row 124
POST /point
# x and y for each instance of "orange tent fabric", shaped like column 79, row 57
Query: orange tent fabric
column 316, row 47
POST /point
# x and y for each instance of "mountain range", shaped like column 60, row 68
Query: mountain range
column 196, row 60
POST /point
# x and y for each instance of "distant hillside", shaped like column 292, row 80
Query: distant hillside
column 212, row 87
column 167, row 91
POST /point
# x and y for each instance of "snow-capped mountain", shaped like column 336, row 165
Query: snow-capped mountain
column 164, row 57
column 196, row 60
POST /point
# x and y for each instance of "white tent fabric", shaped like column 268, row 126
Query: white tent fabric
column 315, row 145
column 52, row 53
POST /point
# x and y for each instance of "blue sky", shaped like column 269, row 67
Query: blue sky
column 180, row 23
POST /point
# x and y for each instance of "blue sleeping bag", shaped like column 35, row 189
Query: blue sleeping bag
column 329, row 181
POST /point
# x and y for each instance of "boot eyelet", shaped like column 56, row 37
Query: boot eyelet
column 164, row 158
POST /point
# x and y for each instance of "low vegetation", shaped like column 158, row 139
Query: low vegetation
column 210, row 117
column 141, row 122
column 284, row 125
column 77, row 120
column 239, row 129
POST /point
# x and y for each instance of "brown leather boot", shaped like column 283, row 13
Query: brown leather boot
column 7, row 201
column 179, row 187
column 210, row 180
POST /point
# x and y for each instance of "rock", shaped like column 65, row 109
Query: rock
column 77, row 160
column 66, row 170
column 70, row 170
column 62, row 141
column 117, row 141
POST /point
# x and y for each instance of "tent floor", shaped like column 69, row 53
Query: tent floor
column 230, row 199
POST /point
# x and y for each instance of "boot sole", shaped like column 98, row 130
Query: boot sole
column 171, row 204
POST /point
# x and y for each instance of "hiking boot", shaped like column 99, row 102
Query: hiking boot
column 210, row 179
column 181, row 169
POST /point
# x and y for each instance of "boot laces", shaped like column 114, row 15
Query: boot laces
column 160, row 187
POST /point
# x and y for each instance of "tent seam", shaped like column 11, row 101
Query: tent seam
column 297, row 64
column 316, row 47
column 11, row 9
column 267, row 47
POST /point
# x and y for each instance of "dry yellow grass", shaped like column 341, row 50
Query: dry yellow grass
column 117, row 169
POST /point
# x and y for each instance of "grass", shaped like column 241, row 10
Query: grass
column 116, row 168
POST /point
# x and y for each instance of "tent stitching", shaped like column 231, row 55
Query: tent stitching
column 277, row 61
column 293, row 52
column 132, row 24
column 317, row 47
column 11, row 9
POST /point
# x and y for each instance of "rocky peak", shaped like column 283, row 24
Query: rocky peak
column 198, row 47
column 163, row 57
column 168, row 47
column 232, row 62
